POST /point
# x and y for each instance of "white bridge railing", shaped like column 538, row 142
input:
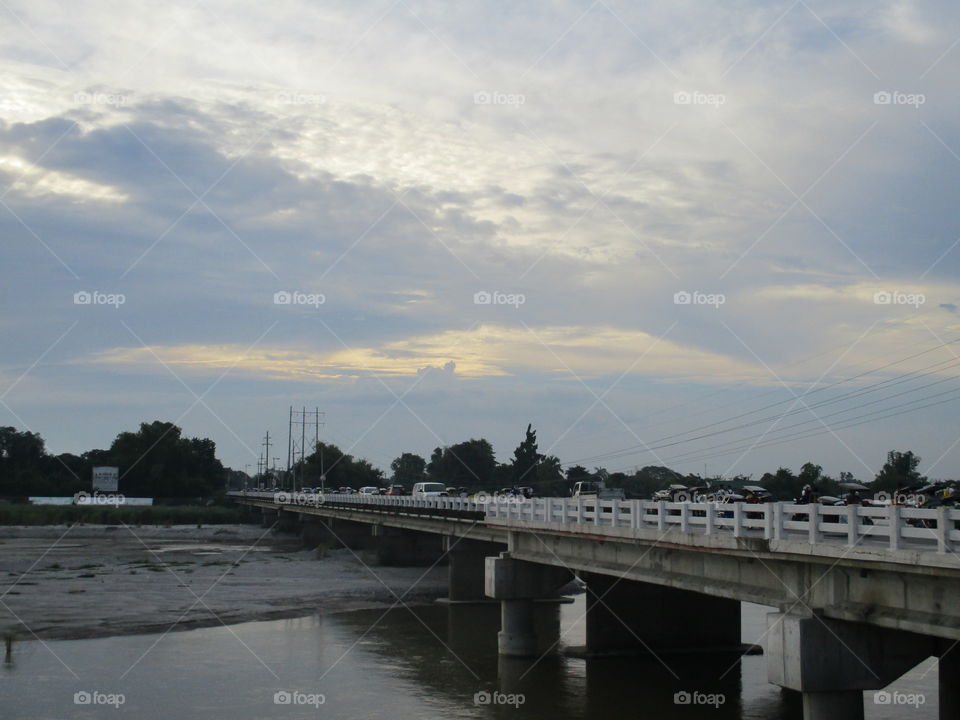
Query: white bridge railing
column 407, row 502
column 895, row 526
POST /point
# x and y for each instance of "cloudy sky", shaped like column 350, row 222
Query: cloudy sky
column 677, row 233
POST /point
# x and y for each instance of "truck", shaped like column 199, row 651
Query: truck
column 597, row 489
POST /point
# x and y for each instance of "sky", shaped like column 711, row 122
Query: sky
column 719, row 237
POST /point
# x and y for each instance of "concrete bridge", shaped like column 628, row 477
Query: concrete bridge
column 863, row 594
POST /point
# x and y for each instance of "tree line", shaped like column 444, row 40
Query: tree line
column 154, row 461
column 157, row 461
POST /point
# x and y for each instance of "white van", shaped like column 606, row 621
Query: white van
column 369, row 490
column 429, row 489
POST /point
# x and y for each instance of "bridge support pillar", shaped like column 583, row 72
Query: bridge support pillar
column 627, row 617
column 406, row 548
column 949, row 669
column 269, row 517
column 517, row 584
column 353, row 535
column 287, row 521
column 846, row 704
column 832, row 661
column 465, row 568
column 313, row 532
column 517, row 636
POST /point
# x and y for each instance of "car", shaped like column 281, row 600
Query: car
column 369, row 490
column 396, row 490
column 429, row 489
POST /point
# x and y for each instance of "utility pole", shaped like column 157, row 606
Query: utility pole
column 290, row 458
column 302, row 418
column 266, row 454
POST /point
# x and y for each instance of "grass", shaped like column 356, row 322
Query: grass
column 165, row 515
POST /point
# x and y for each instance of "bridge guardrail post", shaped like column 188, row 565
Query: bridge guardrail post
column 710, row 517
column 853, row 524
column 893, row 520
column 597, row 511
column 581, row 516
column 813, row 523
column 615, row 513
column 661, row 515
column 685, row 517
column 738, row 516
column 636, row 514
column 943, row 529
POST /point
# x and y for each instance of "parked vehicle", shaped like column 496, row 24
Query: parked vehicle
column 756, row 494
column 429, row 489
column 597, row 489
column 396, row 490
column 369, row 490
column 670, row 493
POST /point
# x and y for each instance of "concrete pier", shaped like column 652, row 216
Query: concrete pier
column 625, row 617
column 517, row 584
column 466, row 562
column 268, row 518
column 407, row 548
column 949, row 669
column 833, row 661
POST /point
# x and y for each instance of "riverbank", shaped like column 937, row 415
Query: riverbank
column 107, row 514
column 66, row 582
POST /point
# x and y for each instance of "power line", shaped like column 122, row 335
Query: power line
column 849, row 423
column 660, row 443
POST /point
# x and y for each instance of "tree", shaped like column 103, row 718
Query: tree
column 646, row 481
column 340, row 469
column 525, row 459
column 899, row 471
column 21, row 459
column 783, row 484
column 156, row 461
column 576, row 473
column 810, row 474
column 408, row 469
column 467, row 464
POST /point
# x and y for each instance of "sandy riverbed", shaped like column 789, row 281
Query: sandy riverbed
column 92, row 581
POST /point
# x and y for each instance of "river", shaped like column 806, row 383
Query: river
column 415, row 663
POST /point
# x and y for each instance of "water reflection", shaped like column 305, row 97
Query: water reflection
column 429, row 662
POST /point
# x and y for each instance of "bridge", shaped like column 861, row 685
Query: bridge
column 863, row 593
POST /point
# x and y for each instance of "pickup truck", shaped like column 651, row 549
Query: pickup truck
column 597, row 489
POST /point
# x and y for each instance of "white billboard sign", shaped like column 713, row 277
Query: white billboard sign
column 106, row 479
